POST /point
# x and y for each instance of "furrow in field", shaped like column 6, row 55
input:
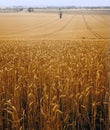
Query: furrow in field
column 96, row 27
column 90, row 28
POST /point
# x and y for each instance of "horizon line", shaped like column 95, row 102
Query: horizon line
column 72, row 6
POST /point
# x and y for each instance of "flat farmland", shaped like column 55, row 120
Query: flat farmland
column 45, row 25
column 55, row 73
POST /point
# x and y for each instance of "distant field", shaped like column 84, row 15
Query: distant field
column 76, row 11
column 74, row 25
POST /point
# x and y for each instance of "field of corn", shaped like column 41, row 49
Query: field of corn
column 54, row 85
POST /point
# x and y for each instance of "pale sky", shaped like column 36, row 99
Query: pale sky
column 54, row 3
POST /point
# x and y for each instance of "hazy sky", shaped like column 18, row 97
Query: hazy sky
column 55, row 2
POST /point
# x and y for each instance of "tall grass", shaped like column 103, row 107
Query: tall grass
column 54, row 85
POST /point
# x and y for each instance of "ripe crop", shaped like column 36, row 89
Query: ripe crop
column 54, row 85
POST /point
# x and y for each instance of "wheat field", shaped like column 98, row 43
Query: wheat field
column 54, row 76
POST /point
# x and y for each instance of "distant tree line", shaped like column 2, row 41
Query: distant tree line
column 30, row 9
